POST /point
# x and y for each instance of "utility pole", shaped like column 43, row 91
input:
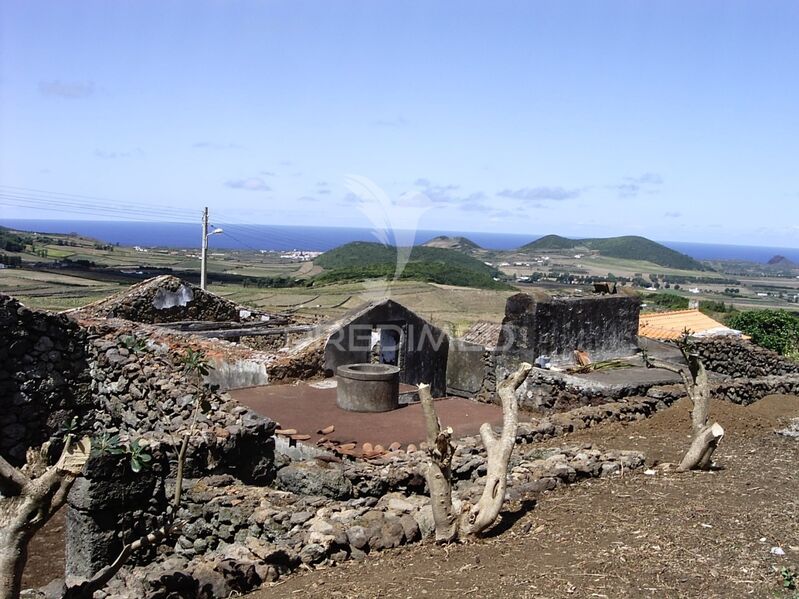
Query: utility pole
column 204, row 253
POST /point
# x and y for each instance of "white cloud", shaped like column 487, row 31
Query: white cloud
column 67, row 89
column 540, row 193
column 251, row 184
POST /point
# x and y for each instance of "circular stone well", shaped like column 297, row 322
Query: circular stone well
column 368, row 387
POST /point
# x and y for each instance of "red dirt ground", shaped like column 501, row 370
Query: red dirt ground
column 309, row 409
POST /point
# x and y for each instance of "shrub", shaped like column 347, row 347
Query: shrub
column 777, row 330
column 668, row 301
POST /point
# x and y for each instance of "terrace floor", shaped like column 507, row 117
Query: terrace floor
column 309, row 407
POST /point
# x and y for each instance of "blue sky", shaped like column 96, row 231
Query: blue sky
column 675, row 120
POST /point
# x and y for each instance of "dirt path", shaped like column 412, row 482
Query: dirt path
column 668, row 535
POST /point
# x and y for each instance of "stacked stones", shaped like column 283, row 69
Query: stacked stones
column 137, row 393
column 548, row 391
column 753, row 372
column 741, row 359
column 304, row 363
column 112, row 504
column 53, row 371
column 629, row 410
column 237, row 537
column 141, row 392
column 488, row 387
column 140, row 303
column 43, row 377
column 746, row 391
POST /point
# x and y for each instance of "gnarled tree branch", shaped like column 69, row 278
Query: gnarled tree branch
column 35, row 501
column 479, row 517
column 694, row 376
column 482, row 515
column 12, row 480
column 439, row 473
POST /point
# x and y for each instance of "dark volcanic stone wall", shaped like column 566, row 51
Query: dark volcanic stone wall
column 164, row 299
column 52, row 369
column 43, row 376
column 740, row 358
column 140, row 390
column 112, row 505
column 604, row 326
column 746, row 391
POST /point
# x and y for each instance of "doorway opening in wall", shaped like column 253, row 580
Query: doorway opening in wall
column 387, row 344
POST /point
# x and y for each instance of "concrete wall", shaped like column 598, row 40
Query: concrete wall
column 237, row 373
column 466, row 368
column 423, row 347
column 604, row 326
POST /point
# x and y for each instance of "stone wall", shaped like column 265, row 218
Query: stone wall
column 139, row 389
column 124, row 381
column 141, row 392
column 467, row 368
column 110, row 505
column 746, row 391
column 752, row 372
column 627, row 410
column 604, row 326
column 237, row 537
column 742, row 359
column 43, row 377
column 302, row 363
column 549, row 391
column 163, row 299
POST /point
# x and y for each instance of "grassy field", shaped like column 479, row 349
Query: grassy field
column 456, row 307
column 602, row 265
column 51, row 291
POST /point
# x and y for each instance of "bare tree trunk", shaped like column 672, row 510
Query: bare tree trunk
column 28, row 505
column 706, row 437
column 477, row 518
column 13, row 547
column 439, row 473
column 704, row 444
column 699, row 393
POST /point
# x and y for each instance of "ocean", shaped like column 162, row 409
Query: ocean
column 269, row 237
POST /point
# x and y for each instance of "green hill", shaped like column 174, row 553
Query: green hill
column 363, row 260
column 628, row 247
column 462, row 244
column 551, row 242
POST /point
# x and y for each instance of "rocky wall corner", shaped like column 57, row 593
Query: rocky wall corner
column 44, row 377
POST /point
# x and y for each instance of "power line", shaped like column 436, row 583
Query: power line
column 272, row 232
column 69, row 203
column 79, row 207
column 82, row 211
column 72, row 197
column 237, row 240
